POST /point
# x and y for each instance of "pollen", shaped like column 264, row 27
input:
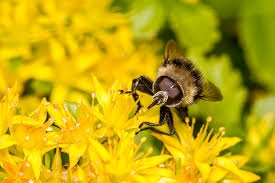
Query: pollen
column 193, row 120
column 21, row 174
column 64, row 120
column 27, row 137
column 47, row 103
column 93, row 95
column 209, row 119
column 222, row 130
column 49, row 129
column 187, row 120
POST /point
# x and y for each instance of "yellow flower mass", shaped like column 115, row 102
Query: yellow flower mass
column 53, row 52
column 52, row 44
column 101, row 152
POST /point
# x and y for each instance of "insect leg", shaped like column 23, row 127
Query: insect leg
column 142, row 84
column 182, row 112
column 165, row 114
column 170, row 123
column 162, row 115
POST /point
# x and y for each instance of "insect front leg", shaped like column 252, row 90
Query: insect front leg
column 182, row 112
column 142, row 84
column 170, row 123
column 165, row 114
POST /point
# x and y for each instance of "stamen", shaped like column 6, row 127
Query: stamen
column 222, row 130
column 187, row 120
column 209, row 119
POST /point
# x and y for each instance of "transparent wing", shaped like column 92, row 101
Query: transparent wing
column 211, row 92
column 172, row 51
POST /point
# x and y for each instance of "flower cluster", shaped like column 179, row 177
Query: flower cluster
column 51, row 48
column 98, row 141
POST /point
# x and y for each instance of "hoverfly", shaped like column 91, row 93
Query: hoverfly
column 178, row 85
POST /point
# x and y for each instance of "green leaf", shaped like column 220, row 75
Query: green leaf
column 147, row 17
column 73, row 108
column 257, row 27
column 15, row 63
column 41, row 88
column 228, row 112
column 225, row 9
column 264, row 106
column 195, row 26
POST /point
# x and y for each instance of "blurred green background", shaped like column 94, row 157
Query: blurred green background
column 231, row 42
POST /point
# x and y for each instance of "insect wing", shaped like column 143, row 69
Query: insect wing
column 211, row 92
column 172, row 51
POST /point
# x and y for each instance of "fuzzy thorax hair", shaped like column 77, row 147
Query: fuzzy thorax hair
column 189, row 80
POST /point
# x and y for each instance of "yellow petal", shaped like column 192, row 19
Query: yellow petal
column 216, row 174
column 101, row 94
column 232, row 181
column 40, row 114
column 102, row 152
column 80, row 174
column 239, row 160
column 98, row 115
column 230, row 166
column 204, row 169
column 57, row 116
column 152, row 161
column 57, row 161
column 8, row 162
column 229, row 142
column 227, row 164
column 248, row 176
column 57, row 50
column 20, row 119
column 6, row 141
column 35, row 160
column 59, row 93
column 166, row 180
column 138, row 179
column 172, row 144
column 75, row 151
column 163, row 172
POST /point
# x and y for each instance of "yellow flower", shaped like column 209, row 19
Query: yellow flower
column 57, row 173
column 21, row 171
column 75, row 134
column 30, row 134
column 200, row 159
column 52, row 42
column 114, row 110
column 123, row 162
column 7, row 109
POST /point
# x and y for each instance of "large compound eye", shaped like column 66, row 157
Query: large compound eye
column 167, row 84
